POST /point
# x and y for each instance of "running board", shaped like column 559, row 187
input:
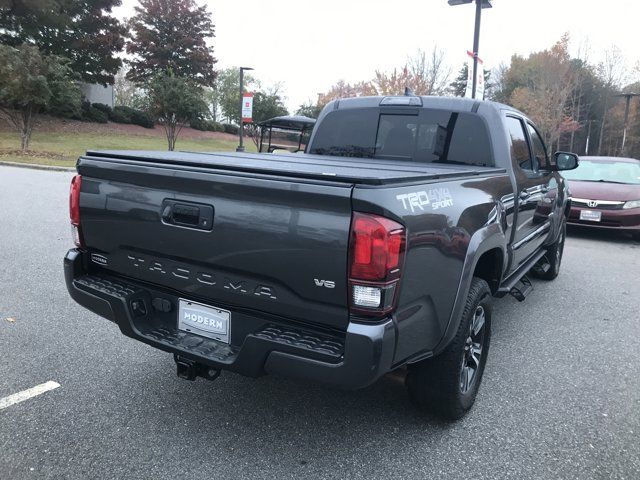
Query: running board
column 522, row 289
column 514, row 280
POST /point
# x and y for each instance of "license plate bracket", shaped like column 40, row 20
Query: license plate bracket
column 590, row 215
column 204, row 320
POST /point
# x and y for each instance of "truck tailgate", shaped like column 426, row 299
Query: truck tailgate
column 277, row 247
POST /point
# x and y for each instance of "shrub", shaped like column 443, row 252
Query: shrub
column 92, row 114
column 206, row 125
column 123, row 114
column 229, row 128
column 138, row 117
column 201, row 124
column 103, row 108
column 120, row 115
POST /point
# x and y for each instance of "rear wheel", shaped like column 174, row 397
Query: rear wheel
column 447, row 385
column 553, row 257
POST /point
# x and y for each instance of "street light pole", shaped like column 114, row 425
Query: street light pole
column 480, row 4
column 627, row 97
column 476, row 47
column 240, row 147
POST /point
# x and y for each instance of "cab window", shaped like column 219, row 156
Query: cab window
column 540, row 158
column 519, row 146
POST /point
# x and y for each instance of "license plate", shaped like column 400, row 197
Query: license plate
column 204, row 320
column 590, row 215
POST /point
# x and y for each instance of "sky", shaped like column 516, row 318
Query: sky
column 309, row 45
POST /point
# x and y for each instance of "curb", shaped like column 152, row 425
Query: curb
column 36, row 166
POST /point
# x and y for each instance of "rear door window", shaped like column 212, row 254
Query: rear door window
column 540, row 157
column 519, row 146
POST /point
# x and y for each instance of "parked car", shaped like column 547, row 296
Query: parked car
column 606, row 194
column 381, row 248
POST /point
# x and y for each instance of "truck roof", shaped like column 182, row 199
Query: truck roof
column 458, row 104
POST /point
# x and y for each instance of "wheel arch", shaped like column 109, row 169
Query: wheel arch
column 486, row 256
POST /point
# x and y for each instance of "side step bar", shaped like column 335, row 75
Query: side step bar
column 522, row 289
column 518, row 284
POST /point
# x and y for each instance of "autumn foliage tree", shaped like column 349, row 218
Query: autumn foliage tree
column 83, row 31
column 541, row 86
column 171, row 35
column 426, row 73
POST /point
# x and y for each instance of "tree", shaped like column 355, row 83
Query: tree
column 127, row 93
column 459, row 86
column 171, row 34
column 81, row 30
column 174, row 102
column 30, row 82
column 265, row 106
column 424, row 74
column 309, row 110
column 343, row 89
column 611, row 73
column 228, row 92
column 541, row 86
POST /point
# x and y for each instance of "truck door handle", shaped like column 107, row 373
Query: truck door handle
column 187, row 214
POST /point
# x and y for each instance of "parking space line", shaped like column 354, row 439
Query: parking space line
column 27, row 394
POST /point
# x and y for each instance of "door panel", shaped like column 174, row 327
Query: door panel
column 535, row 188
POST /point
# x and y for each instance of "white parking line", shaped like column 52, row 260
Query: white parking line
column 27, row 394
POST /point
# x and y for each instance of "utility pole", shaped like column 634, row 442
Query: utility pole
column 480, row 4
column 627, row 97
column 240, row 147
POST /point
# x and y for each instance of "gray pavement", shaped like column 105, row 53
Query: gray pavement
column 560, row 397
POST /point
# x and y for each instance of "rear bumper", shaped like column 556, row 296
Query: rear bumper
column 628, row 220
column 260, row 344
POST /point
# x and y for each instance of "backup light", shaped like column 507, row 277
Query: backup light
column 368, row 297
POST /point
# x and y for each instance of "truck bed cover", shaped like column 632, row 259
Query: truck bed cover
column 351, row 170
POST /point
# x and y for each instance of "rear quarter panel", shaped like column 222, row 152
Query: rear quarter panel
column 440, row 218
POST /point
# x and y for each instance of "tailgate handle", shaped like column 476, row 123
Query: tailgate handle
column 187, row 214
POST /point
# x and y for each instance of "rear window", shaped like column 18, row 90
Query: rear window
column 421, row 135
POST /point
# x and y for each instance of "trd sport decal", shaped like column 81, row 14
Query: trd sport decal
column 434, row 199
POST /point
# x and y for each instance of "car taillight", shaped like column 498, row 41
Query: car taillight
column 376, row 255
column 74, row 210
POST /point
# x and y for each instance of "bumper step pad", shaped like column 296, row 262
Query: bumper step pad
column 164, row 335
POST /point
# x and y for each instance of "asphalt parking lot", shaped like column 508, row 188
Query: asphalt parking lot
column 560, row 397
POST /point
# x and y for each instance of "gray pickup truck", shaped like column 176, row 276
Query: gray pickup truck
column 378, row 249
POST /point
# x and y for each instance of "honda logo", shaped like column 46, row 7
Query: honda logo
column 592, row 203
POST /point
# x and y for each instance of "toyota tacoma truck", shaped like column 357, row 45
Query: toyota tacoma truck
column 379, row 248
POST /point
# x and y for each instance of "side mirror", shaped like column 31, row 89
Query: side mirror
column 565, row 161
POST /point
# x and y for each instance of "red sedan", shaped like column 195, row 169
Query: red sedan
column 605, row 193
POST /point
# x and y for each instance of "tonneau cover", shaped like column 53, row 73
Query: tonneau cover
column 338, row 169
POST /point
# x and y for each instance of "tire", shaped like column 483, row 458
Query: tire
column 553, row 257
column 636, row 236
column 447, row 384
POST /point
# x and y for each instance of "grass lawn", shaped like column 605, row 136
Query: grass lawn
column 63, row 149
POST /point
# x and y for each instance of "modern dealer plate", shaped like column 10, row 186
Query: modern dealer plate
column 590, row 215
column 207, row 321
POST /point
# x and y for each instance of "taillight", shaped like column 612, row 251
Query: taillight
column 376, row 255
column 74, row 210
